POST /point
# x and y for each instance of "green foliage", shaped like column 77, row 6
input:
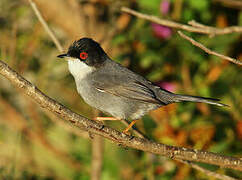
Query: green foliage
column 199, row 5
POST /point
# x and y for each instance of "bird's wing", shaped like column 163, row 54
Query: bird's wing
column 124, row 87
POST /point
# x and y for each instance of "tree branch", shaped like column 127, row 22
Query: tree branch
column 203, row 30
column 195, row 43
column 207, row 172
column 194, row 27
column 45, row 25
column 117, row 137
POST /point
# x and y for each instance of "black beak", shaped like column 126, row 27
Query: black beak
column 63, row 55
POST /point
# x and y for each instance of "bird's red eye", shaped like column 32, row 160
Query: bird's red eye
column 83, row 55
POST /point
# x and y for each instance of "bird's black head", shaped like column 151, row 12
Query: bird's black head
column 87, row 51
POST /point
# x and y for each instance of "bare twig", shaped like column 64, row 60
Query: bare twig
column 194, row 27
column 46, row 27
column 195, row 43
column 113, row 135
column 205, row 30
column 208, row 172
column 196, row 24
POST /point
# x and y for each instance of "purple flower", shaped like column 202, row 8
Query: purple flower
column 161, row 31
column 164, row 7
column 169, row 86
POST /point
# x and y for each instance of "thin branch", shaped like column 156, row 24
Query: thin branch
column 204, row 30
column 207, row 172
column 46, row 27
column 195, row 43
column 115, row 136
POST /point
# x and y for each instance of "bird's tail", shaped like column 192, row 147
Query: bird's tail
column 180, row 98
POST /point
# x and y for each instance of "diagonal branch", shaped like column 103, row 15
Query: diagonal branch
column 195, row 43
column 203, row 30
column 117, row 137
column 207, row 172
column 45, row 25
column 192, row 27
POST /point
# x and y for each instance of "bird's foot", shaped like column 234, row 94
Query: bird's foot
column 126, row 131
column 106, row 119
column 102, row 127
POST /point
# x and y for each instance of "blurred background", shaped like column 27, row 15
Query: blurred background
column 36, row 144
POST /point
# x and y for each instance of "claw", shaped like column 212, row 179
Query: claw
column 101, row 127
column 129, row 127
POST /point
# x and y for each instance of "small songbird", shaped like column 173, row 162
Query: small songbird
column 114, row 89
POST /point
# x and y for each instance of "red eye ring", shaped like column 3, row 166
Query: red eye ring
column 83, row 55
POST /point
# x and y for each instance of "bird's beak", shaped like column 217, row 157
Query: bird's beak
column 63, row 55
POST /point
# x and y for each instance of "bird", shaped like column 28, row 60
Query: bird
column 114, row 89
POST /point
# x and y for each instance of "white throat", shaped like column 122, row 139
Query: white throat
column 78, row 69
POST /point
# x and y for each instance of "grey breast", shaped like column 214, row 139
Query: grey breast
column 118, row 106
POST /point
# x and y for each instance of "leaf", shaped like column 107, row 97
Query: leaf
column 153, row 5
column 199, row 5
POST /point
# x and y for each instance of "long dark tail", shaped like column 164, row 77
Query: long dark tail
column 180, row 98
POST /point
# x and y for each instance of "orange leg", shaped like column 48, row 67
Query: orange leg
column 106, row 119
column 129, row 126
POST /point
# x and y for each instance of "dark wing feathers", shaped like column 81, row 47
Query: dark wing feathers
column 128, row 88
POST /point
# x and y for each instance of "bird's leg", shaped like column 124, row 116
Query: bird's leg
column 129, row 126
column 106, row 119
